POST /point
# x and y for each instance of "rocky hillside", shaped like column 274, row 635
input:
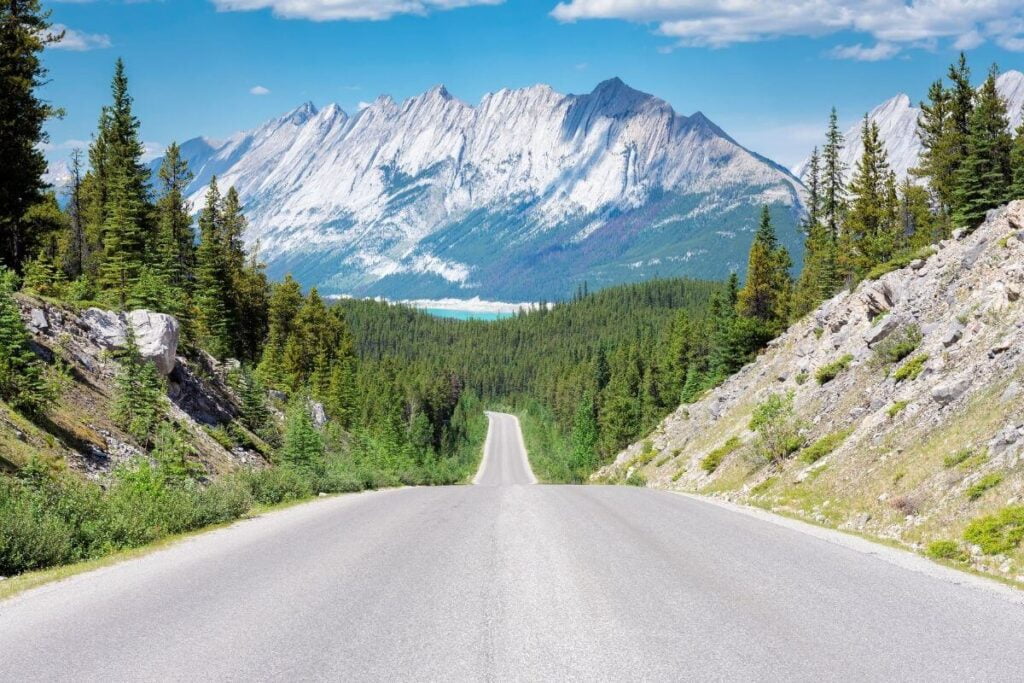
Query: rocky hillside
column 79, row 349
column 906, row 420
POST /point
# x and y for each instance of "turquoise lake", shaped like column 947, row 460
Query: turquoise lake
column 465, row 315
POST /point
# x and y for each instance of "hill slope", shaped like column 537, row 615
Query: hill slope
column 518, row 198
column 919, row 432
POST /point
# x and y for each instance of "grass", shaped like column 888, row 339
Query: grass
column 713, row 459
column 911, row 369
column 896, row 408
column 955, row 459
column 898, row 345
column 823, row 446
column 989, row 481
column 827, row 373
column 997, row 533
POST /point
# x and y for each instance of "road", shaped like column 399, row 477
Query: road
column 506, row 580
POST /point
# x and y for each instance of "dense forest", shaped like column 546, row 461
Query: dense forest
column 403, row 392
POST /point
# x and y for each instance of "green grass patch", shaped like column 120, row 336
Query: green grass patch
column 899, row 261
column 955, row 459
column 946, row 550
column 997, row 533
column 896, row 408
column 898, row 345
column 911, row 369
column 713, row 459
column 989, row 481
column 823, row 446
column 763, row 486
column 636, row 479
column 827, row 373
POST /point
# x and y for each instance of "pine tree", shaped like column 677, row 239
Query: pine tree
column 833, row 188
column 303, row 447
column 175, row 240
column 21, row 374
column 24, row 34
column 984, row 177
column 138, row 392
column 213, row 326
column 871, row 234
column 817, row 279
column 937, row 161
column 765, row 294
column 75, row 250
column 124, row 245
column 1017, row 165
column 283, row 307
column 584, row 438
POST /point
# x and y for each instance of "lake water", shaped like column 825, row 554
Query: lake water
column 465, row 315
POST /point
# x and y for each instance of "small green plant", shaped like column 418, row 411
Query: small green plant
column 662, row 461
column 823, row 446
column 636, row 479
column 956, row 458
column 713, row 459
column 975, row 461
column 911, row 369
column 946, row 550
column 818, row 331
column 801, row 377
column 899, row 261
column 827, row 373
column 898, row 345
column 997, row 533
column 778, row 430
column 763, row 486
column 679, row 473
column 989, row 481
column 896, row 408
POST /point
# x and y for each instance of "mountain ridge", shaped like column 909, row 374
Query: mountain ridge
column 521, row 196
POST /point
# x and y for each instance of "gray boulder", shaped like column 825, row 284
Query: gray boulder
column 156, row 334
column 881, row 330
column 947, row 392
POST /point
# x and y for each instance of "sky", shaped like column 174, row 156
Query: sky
column 766, row 71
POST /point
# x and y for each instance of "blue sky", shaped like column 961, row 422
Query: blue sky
column 767, row 71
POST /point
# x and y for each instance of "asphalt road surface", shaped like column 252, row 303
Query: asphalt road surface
column 507, row 580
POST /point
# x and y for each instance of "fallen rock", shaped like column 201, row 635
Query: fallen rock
column 952, row 334
column 156, row 334
column 37, row 319
column 881, row 330
column 947, row 392
column 317, row 414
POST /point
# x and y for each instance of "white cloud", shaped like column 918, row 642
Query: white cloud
column 152, row 150
column 891, row 23
column 334, row 10
column 259, row 90
column 77, row 41
column 858, row 52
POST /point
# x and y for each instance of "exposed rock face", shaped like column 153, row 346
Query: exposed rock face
column 156, row 334
column 900, row 423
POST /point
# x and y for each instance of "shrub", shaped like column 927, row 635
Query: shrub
column 827, row 373
column 276, row 485
column 911, row 369
column 956, row 458
column 636, row 479
column 222, row 501
column 823, row 446
column 898, row 345
column 989, row 481
column 679, row 473
column 997, row 533
column 712, row 460
column 896, row 408
column 899, row 261
column 946, row 550
column 30, row 536
column 905, row 505
column 778, row 431
column 801, row 377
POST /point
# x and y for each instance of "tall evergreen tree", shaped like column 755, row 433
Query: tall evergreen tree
column 175, row 239
column 212, row 322
column 75, row 251
column 21, row 375
column 983, row 178
column 24, row 34
column 938, row 161
column 833, row 186
column 871, row 234
column 1017, row 165
column 766, row 291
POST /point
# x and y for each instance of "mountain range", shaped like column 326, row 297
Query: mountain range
column 523, row 196
column 897, row 123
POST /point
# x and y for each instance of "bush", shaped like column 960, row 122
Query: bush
column 898, row 345
column 636, row 479
column 899, row 261
column 946, row 550
column 778, row 431
column 911, row 369
column 30, row 536
column 823, row 446
column 222, row 501
column 712, row 460
column 998, row 533
column 989, row 481
column 276, row 485
column 827, row 373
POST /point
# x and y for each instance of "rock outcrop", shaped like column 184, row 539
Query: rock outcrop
column 156, row 334
column 908, row 436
